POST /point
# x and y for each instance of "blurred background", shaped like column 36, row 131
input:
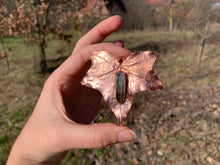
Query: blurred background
column 179, row 125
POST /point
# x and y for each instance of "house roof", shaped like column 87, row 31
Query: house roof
column 157, row 2
column 162, row 2
column 216, row 6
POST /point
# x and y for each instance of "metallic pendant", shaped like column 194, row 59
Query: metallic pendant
column 118, row 79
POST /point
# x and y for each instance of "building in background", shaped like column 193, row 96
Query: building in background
column 104, row 7
column 158, row 3
column 216, row 6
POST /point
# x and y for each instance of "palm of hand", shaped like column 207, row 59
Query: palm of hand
column 82, row 105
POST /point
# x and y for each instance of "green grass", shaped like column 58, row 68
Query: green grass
column 23, row 59
column 19, row 50
column 185, row 71
column 11, row 124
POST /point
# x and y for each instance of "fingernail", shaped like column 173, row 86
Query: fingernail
column 126, row 136
column 119, row 43
column 120, row 17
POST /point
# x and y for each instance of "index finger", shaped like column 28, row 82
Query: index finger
column 100, row 32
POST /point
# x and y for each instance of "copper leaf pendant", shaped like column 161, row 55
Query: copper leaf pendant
column 119, row 79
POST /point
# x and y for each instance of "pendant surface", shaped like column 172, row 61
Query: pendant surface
column 119, row 79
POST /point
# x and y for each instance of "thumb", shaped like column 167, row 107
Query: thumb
column 98, row 135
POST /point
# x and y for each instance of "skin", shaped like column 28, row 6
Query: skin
column 60, row 120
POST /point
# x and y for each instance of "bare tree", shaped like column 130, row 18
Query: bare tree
column 175, row 11
column 3, row 31
column 201, row 23
column 37, row 18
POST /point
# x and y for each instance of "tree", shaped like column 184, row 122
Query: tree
column 3, row 33
column 43, row 12
column 174, row 11
column 35, row 19
column 205, row 16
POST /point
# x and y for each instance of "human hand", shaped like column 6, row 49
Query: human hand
column 60, row 119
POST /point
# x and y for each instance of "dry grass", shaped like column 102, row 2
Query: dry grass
column 179, row 125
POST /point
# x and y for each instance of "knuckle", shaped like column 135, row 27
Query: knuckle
column 103, row 138
column 50, row 80
column 101, row 31
column 79, row 43
column 98, row 141
column 53, row 80
column 80, row 52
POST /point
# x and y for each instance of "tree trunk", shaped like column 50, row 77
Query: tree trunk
column 43, row 61
column 171, row 19
column 6, row 54
column 7, row 63
column 41, row 33
column 79, row 27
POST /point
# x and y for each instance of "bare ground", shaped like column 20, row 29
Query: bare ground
column 179, row 125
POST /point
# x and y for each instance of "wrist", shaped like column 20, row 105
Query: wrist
column 18, row 160
column 20, row 157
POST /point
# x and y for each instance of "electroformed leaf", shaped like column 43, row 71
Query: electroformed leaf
column 106, row 71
